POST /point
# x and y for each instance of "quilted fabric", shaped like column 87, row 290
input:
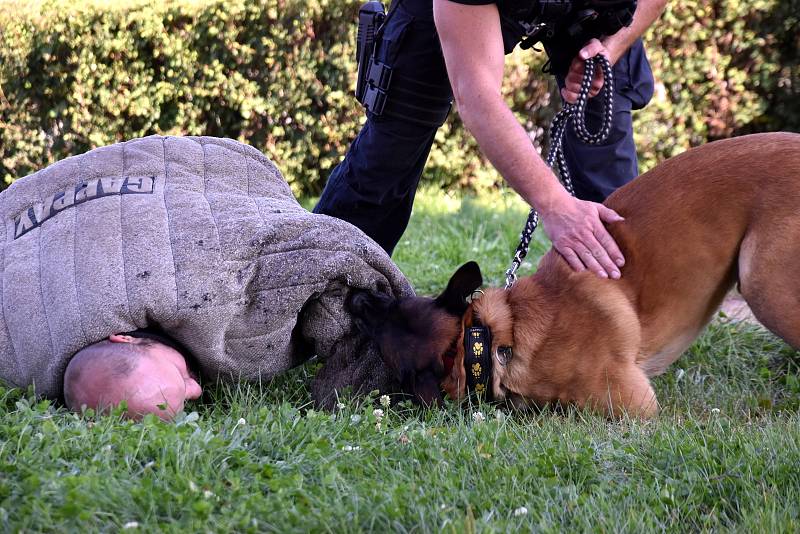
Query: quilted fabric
column 199, row 236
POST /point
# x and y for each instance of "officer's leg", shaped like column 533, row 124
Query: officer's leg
column 598, row 170
column 374, row 186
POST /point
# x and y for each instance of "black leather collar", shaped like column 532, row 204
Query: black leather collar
column 478, row 360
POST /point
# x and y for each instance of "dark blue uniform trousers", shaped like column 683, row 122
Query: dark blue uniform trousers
column 374, row 186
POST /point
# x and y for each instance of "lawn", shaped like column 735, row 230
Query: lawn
column 723, row 455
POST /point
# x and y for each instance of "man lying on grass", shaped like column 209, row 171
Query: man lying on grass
column 115, row 259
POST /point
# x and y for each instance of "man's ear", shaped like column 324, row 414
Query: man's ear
column 121, row 338
column 369, row 309
column 462, row 284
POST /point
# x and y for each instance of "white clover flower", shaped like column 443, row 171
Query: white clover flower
column 520, row 511
column 385, row 401
column 355, row 418
column 378, row 413
column 241, row 422
column 130, row 524
column 715, row 410
column 340, row 405
column 478, row 417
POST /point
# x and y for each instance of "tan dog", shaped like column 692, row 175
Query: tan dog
column 694, row 226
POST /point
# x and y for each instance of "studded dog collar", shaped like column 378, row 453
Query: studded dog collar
column 478, row 359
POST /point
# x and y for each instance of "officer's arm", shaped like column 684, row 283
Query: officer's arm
column 472, row 44
column 647, row 11
column 613, row 47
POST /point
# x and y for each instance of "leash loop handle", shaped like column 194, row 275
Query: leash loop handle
column 577, row 114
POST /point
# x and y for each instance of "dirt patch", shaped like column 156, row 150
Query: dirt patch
column 737, row 309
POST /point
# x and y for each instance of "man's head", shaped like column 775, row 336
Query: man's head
column 151, row 377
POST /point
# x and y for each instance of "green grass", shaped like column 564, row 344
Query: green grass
column 723, row 455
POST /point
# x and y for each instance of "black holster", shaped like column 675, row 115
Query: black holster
column 410, row 99
column 370, row 17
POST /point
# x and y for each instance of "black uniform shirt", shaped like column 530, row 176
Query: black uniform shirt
column 513, row 29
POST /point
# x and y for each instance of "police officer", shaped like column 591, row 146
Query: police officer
column 437, row 49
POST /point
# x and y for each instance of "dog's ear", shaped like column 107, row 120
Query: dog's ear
column 462, row 284
column 369, row 309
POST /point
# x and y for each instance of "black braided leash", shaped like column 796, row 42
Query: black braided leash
column 576, row 112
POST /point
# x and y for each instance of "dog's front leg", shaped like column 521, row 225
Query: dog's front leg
column 627, row 392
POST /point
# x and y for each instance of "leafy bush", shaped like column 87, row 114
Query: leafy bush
column 723, row 68
column 278, row 74
column 79, row 75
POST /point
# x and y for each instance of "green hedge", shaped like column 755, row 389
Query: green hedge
column 278, row 74
column 723, row 68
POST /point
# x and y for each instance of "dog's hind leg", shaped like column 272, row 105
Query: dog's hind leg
column 769, row 276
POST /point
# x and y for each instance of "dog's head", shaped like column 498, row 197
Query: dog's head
column 419, row 337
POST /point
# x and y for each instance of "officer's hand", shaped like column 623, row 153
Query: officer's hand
column 576, row 229
column 572, row 85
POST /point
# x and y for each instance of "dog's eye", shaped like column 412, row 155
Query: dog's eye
column 504, row 355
